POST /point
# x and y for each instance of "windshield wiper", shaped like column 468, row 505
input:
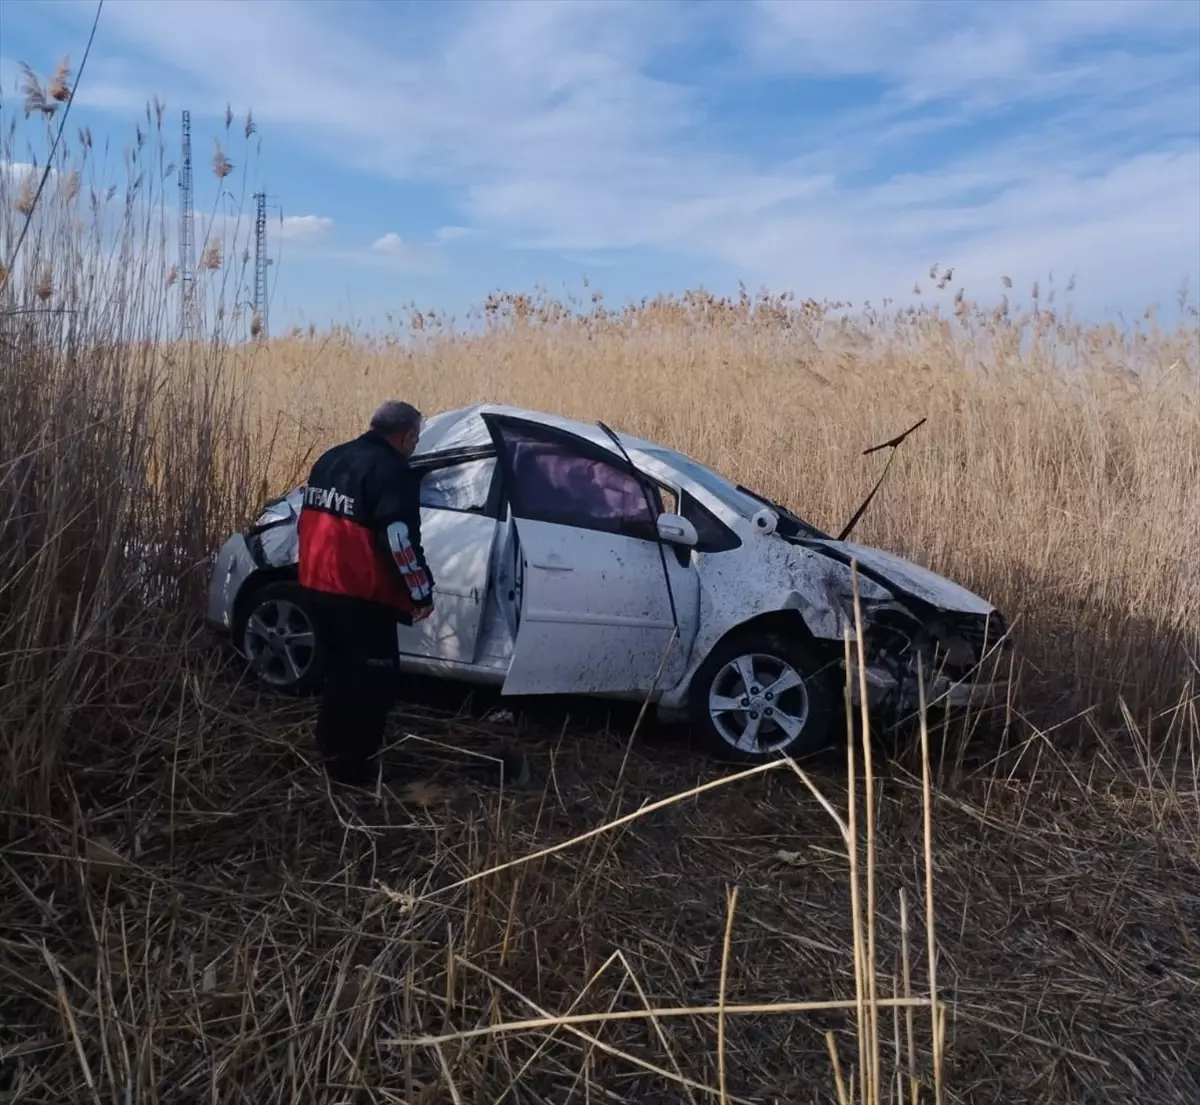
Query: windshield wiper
column 893, row 444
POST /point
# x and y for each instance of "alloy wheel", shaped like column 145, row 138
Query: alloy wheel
column 280, row 642
column 758, row 703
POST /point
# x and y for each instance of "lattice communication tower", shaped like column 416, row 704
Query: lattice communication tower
column 187, row 238
column 260, row 263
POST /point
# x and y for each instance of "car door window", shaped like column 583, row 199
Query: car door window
column 557, row 483
column 713, row 535
column 464, row 486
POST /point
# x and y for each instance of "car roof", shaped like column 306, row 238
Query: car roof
column 464, row 428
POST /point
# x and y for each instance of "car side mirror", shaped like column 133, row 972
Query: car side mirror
column 677, row 530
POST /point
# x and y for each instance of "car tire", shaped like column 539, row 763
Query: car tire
column 809, row 698
column 270, row 637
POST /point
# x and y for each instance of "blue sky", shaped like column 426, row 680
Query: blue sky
column 439, row 152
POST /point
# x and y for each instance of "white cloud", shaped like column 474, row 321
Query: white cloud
column 389, row 243
column 391, row 249
column 554, row 124
column 21, row 171
column 927, row 50
column 112, row 84
column 304, row 228
column 455, row 233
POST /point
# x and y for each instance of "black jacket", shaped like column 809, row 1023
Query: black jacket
column 360, row 527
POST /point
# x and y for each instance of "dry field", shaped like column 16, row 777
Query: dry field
column 188, row 915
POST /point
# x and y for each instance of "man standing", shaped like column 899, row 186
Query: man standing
column 360, row 554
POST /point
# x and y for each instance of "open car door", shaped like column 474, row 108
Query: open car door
column 459, row 510
column 595, row 608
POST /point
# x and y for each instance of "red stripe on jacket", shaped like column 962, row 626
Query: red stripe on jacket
column 341, row 557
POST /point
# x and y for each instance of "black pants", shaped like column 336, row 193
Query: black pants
column 360, row 687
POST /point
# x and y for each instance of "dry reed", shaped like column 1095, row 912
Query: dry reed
column 1058, row 474
column 190, row 915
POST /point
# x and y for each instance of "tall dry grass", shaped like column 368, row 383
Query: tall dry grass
column 188, row 915
column 124, row 455
column 1058, row 474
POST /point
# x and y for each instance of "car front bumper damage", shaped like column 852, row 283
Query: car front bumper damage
column 884, row 688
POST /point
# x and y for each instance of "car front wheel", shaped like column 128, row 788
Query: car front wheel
column 281, row 641
column 760, row 695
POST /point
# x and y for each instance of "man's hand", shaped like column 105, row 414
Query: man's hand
column 421, row 613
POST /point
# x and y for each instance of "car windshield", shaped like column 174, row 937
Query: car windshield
column 740, row 500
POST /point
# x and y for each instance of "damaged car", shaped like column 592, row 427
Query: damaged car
column 573, row 560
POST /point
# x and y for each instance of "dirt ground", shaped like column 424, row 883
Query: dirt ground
column 216, row 925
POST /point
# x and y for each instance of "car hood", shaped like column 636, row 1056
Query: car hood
column 903, row 577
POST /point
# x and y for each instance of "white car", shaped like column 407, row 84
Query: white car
column 573, row 560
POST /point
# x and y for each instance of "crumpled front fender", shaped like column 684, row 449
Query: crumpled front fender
column 772, row 577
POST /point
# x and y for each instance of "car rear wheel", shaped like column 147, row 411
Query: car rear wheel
column 760, row 695
column 280, row 639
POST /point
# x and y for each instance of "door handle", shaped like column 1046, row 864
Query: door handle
column 552, row 562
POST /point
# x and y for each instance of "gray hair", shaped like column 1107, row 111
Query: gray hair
column 395, row 417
